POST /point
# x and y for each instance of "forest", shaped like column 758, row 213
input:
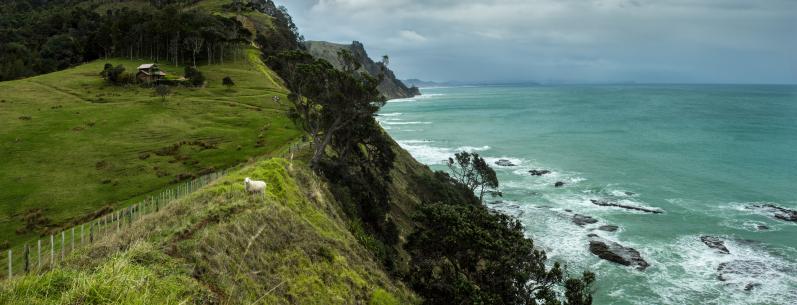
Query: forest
column 41, row 37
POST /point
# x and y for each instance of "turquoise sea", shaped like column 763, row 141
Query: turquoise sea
column 703, row 154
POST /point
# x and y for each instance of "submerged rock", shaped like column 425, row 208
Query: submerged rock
column 559, row 184
column 780, row 213
column 608, row 228
column 741, row 271
column 605, row 203
column 504, row 162
column 539, row 172
column 762, row 227
column 582, row 220
column 616, row 253
column 715, row 243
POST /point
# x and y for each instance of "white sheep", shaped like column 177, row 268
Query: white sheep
column 254, row 186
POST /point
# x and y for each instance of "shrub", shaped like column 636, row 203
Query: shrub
column 228, row 82
column 194, row 76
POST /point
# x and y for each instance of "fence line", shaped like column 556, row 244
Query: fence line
column 114, row 222
column 19, row 264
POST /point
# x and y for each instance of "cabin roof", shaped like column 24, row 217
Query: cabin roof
column 146, row 66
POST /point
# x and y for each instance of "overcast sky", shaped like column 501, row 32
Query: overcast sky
column 673, row 41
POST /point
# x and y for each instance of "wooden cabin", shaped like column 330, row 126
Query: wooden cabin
column 149, row 73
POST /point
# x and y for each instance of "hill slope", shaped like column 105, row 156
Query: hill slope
column 221, row 246
column 72, row 144
column 391, row 87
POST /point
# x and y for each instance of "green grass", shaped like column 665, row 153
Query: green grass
column 221, row 246
column 70, row 143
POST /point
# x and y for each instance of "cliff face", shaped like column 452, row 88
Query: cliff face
column 390, row 87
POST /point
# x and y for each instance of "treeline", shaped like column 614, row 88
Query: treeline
column 41, row 37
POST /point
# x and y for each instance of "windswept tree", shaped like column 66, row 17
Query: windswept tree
column 326, row 100
column 472, row 171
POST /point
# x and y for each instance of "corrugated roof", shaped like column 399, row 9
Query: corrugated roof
column 146, row 66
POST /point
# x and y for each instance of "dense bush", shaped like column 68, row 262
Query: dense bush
column 194, row 76
column 117, row 75
column 464, row 254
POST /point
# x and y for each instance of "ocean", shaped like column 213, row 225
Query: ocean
column 709, row 156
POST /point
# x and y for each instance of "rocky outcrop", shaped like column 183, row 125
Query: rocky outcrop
column 715, row 243
column 583, row 220
column 777, row 212
column 390, row 87
column 559, row 184
column 504, row 162
column 539, row 172
column 616, row 253
column 608, row 228
column 605, row 203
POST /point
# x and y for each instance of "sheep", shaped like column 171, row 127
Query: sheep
column 254, row 186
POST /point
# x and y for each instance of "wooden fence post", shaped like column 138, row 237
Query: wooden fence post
column 91, row 232
column 27, row 258
column 63, row 245
column 39, row 254
column 81, row 233
column 52, row 250
column 73, row 239
column 10, row 272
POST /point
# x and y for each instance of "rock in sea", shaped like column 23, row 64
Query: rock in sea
column 608, row 228
column 777, row 212
column 605, row 203
column 616, row 253
column 559, row 184
column 742, row 271
column 504, row 162
column 715, row 243
column 582, row 220
column 539, row 172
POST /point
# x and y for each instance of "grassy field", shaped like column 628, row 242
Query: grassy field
column 221, row 246
column 72, row 144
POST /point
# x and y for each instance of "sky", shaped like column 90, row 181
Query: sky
column 566, row 41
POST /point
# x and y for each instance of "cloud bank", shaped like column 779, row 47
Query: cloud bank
column 673, row 41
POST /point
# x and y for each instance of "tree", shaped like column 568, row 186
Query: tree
column 471, row 170
column 464, row 254
column 228, row 82
column 326, row 100
column 113, row 74
column 194, row 43
column 196, row 77
column 163, row 91
column 105, row 70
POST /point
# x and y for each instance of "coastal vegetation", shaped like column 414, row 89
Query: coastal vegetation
column 352, row 219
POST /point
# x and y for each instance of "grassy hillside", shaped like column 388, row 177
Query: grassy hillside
column 72, row 144
column 220, row 246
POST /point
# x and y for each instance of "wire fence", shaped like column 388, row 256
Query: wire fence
column 49, row 252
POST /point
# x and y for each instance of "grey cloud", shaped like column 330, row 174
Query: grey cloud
column 730, row 41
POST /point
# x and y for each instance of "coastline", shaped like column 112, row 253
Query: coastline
column 548, row 212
